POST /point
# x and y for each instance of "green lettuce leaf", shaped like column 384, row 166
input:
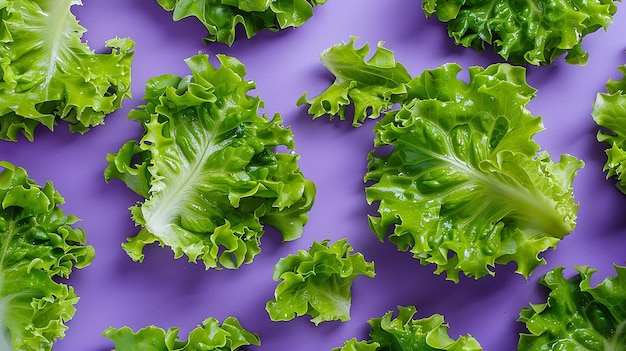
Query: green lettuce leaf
column 577, row 316
column 404, row 333
column 536, row 32
column 371, row 86
column 609, row 113
column 47, row 74
column 464, row 186
column 208, row 168
column 39, row 248
column 210, row 336
column 317, row 282
column 221, row 17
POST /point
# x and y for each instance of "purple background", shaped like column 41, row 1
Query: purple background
column 165, row 292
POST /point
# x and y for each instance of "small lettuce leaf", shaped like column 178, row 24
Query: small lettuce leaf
column 464, row 186
column 404, row 333
column 609, row 113
column 371, row 85
column 210, row 336
column 577, row 316
column 39, row 248
column 208, row 168
column 536, row 32
column 47, row 74
column 317, row 282
column 222, row 17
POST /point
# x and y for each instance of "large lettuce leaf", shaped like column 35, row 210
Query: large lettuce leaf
column 221, row 17
column 39, row 246
column 464, row 186
column 456, row 172
column 609, row 112
column 405, row 333
column 577, row 316
column 317, row 282
column 210, row 336
column 208, row 168
column 536, row 32
column 47, row 74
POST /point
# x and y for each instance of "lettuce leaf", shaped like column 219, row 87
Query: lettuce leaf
column 208, row 169
column 609, row 113
column 222, row 17
column 210, row 336
column 577, row 316
column 404, row 333
column 536, row 32
column 371, row 86
column 47, row 74
column 39, row 248
column 464, row 186
column 317, row 282
column 455, row 171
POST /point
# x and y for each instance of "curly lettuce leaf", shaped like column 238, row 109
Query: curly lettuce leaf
column 609, row 113
column 577, row 316
column 210, row 336
column 208, row 168
column 464, row 186
column 371, row 86
column 317, row 282
column 222, row 17
column 405, row 333
column 47, row 74
column 38, row 246
column 537, row 32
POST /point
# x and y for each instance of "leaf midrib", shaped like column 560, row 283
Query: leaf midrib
column 56, row 20
column 158, row 221
column 497, row 188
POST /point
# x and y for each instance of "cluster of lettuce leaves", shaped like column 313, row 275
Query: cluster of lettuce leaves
column 577, row 315
column 209, row 336
column 536, row 32
column 405, row 333
column 48, row 74
column 222, row 17
column 208, row 168
column 464, row 186
column 317, row 282
column 39, row 248
column 609, row 112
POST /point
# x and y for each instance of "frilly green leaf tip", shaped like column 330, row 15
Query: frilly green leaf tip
column 208, row 168
column 609, row 113
column 534, row 32
column 209, row 336
column 455, row 171
column 406, row 333
column 317, row 282
column 49, row 75
column 577, row 315
column 222, row 18
column 39, row 247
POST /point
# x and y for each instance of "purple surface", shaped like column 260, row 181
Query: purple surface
column 165, row 292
